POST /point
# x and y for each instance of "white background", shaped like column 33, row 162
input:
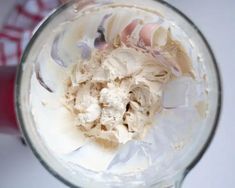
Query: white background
column 216, row 19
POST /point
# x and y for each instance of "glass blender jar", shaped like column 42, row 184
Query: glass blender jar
column 179, row 144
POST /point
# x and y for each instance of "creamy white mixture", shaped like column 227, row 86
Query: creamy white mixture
column 99, row 82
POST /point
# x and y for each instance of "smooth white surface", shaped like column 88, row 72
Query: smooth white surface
column 216, row 19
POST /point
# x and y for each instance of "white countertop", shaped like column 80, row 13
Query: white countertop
column 216, row 19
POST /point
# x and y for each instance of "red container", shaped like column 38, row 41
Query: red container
column 8, row 122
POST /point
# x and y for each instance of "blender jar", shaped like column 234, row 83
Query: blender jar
column 180, row 137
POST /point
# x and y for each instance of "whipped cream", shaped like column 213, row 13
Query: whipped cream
column 98, row 84
column 115, row 94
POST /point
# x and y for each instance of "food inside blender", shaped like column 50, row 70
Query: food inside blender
column 116, row 88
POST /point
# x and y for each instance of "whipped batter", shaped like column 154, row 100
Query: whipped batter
column 99, row 80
